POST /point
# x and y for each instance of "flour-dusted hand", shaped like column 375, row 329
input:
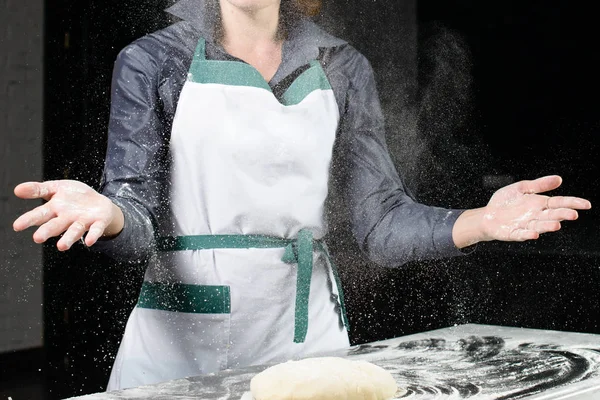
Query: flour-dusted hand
column 518, row 212
column 72, row 208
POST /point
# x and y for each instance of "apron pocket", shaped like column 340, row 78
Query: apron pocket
column 177, row 297
column 177, row 330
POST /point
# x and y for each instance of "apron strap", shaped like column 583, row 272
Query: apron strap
column 200, row 52
column 321, row 246
column 303, row 278
column 297, row 251
column 199, row 57
column 210, row 242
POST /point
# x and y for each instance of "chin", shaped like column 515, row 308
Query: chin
column 253, row 5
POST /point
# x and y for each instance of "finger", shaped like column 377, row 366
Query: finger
column 559, row 214
column 94, row 233
column 521, row 235
column 73, row 234
column 543, row 226
column 36, row 190
column 540, row 185
column 52, row 228
column 575, row 203
column 547, row 226
column 35, row 217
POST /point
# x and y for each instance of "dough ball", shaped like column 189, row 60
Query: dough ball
column 324, row 378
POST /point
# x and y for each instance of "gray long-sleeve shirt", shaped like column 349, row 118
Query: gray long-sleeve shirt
column 389, row 225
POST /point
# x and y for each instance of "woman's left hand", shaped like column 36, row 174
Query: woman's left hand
column 519, row 212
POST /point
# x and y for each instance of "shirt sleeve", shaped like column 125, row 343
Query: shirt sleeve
column 388, row 224
column 135, row 166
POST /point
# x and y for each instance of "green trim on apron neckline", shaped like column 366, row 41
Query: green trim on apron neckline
column 237, row 73
column 310, row 80
column 234, row 74
column 298, row 251
column 177, row 297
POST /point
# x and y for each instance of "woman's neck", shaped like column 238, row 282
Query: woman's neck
column 252, row 36
column 249, row 28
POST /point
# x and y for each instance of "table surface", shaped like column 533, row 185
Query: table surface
column 465, row 361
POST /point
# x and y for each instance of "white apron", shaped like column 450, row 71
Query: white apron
column 232, row 284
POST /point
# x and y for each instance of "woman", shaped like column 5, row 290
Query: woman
column 228, row 131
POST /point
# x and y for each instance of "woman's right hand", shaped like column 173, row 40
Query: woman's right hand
column 72, row 208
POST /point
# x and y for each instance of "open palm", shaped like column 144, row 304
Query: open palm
column 518, row 212
column 72, row 208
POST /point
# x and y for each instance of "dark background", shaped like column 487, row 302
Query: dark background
column 505, row 89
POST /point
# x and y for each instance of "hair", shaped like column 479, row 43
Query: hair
column 309, row 8
column 289, row 12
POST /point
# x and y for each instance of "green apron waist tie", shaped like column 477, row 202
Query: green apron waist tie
column 214, row 299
